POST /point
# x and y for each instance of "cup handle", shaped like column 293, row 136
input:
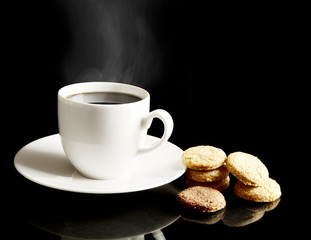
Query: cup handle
column 168, row 123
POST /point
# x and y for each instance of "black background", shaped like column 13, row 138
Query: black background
column 231, row 76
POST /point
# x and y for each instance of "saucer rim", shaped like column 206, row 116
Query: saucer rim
column 59, row 186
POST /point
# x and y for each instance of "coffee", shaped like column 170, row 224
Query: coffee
column 104, row 98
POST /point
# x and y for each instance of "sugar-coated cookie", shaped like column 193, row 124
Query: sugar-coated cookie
column 217, row 174
column 247, row 168
column 268, row 192
column 219, row 185
column 201, row 199
column 203, row 157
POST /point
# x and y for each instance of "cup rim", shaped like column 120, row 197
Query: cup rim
column 87, row 87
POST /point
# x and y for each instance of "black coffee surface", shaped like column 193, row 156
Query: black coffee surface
column 105, row 103
column 104, row 98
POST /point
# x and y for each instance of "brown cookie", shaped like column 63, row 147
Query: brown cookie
column 201, row 199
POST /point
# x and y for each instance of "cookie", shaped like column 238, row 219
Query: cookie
column 247, row 168
column 219, row 185
column 203, row 158
column 268, row 192
column 217, row 174
column 201, row 199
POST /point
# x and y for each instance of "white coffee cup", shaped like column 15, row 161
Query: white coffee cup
column 102, row 141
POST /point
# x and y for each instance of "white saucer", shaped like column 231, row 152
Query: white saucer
column 44, row 162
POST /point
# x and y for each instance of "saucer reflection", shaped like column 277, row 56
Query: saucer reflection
column 158, row 235
column 127, row 216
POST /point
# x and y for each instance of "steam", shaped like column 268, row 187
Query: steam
column 112, row 41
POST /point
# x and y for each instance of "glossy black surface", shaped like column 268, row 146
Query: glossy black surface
column 40, row 212
column 230, row 75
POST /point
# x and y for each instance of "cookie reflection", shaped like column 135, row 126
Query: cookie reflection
column 239, row 214
column 242, row 215
column 203, row 218
column 120, row 216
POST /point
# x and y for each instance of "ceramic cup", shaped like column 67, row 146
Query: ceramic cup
column 102, row 141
